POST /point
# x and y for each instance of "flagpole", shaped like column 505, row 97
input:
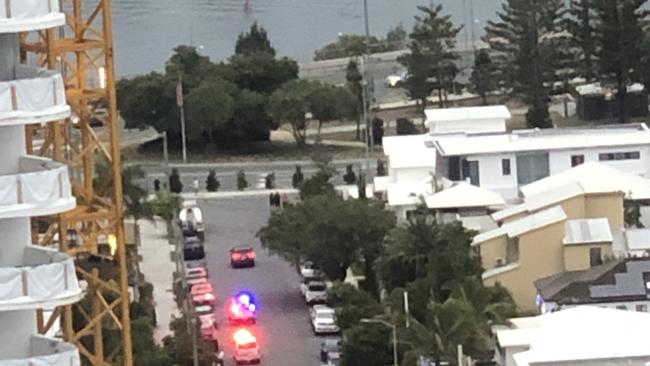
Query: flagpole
column 181, row 105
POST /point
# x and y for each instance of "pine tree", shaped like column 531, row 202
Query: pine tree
column 526, row 40
column 256, row 40
column 483, row 78
column 620, row 50
column 431, row 62
column 582, row 26
column 353, row 78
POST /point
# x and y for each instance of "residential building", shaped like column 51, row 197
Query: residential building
column 469, row 119
column 565, row 229
column 503, row 162
column 622, row 284
column 31, row 277
column 583, row 335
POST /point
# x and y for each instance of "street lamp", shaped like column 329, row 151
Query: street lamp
column 389, row 325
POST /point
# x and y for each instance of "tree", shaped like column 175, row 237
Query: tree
column 351, row 304
column 353, row 79
column 431, row 62
column 179, row 346
column 317, row 185
column 405, row 126
column 349, row 45
column 261, row 72
column 361, row 186
column 582, row 26
column 381, row 168
column 326, row 103
column 297, row 177
column 212, row 184
column 209, row 107
column 242, row 183
column 254, row 41
column 289, row 104
column 424, row 248
column 483, row 78
column 527, row 41
column 396, row 37
column 620, row 36
column 175, row 184
column 349, row 177
column 368, row 345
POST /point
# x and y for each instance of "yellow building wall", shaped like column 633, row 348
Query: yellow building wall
column 576, row 256
column 491, row 250
column 608, row 205
column 540, row 255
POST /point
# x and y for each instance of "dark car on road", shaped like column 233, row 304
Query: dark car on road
column 242, row 256
column 193, row 249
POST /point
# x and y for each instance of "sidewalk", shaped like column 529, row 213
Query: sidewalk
column 158, row 268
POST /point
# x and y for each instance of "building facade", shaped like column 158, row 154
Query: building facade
column 31, row 277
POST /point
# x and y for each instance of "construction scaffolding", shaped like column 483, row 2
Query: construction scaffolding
column 82, row 51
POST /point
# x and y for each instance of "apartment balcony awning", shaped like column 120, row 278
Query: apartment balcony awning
column 41, row 187
column 35, row 95
column 47, row 351
column 25, row 15
column 44, row 278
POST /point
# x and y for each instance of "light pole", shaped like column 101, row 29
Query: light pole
column 389, row 325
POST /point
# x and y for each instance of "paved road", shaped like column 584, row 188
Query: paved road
column 255, row 174
column 283, row 329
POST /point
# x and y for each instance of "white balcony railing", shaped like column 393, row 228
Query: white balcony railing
column 44, row 278
column 41, row 187
column 47, row 351
column 35, row 95
column 26, row 15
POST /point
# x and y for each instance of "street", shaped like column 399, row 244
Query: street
column 283, row 330
column 255, row 173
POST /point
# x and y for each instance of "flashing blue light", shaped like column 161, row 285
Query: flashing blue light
column 247, row 300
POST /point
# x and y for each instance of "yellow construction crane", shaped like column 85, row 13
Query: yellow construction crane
column 83, row 52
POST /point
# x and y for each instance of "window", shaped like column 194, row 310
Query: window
column 505, row 166
column 532, row 167
column 512, row 250
column 595, row 257
column 621, row 307
column 643, row 308
column 629, row 155
column 577, row 160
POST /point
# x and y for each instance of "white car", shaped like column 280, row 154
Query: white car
column 191, row 219
column 324, row 320
column 246, row 347
column 307, row 269
column 315, row 292
column 307, row 280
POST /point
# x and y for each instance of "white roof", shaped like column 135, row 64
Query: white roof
column 637, row 239
column 409, row 151
column 543, row 140
column 587, row 231
column 596, row 88
column 523, row 225
column 580, row 333
column 593, row 178
column 396, row 144
column 464, row 195
column 468, row 113
column 541, row 200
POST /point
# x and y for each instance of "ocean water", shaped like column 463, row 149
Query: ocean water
column 146, row 31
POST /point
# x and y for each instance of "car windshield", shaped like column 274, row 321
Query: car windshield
column 317, row 287
column 242, row 249
column 331, row 343
column 325, row 316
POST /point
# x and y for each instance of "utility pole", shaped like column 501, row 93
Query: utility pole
column 180, row 103
column 367, row 95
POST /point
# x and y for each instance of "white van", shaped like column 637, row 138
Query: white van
column 191, row 220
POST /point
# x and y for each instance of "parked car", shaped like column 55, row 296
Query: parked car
column 242, row 256
column 199, row 272
column 316, row 292
column 199, row 263
column 191, row 220
column 201, row 310
column 330, row 344
column 208, row 328
column 307, row 269
column 324, row 320
column 307, row 280
column 193, row 249
column 202, row 294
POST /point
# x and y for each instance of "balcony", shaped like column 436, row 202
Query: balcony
column 34, row 95
column 47, row 351
column 43, row 278
column 26, row 15
column 41, row 187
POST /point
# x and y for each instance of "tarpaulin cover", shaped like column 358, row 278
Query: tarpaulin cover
column 46, row 351
column 36, row 187
column 34, row 91
column 25, row 9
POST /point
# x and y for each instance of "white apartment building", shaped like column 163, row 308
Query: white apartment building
column 31, row 277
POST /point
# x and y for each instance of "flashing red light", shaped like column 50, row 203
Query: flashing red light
column 243, row 336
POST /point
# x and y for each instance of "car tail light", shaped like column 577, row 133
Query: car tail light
column 251, row 254
column 243, row 336
column 236, row 256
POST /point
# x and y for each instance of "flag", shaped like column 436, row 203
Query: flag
column 179, row 93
